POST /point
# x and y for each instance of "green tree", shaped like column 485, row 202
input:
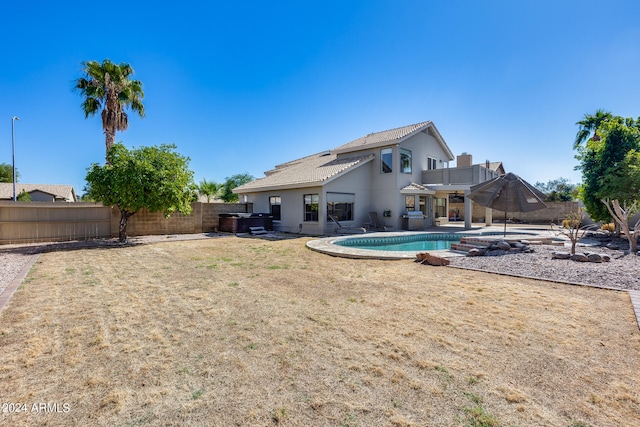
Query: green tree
column 23, row 196
column 209, row 189
column 558, row 190
column 588, row 126
column 605, row 162
column 6, row 173
column 108, row 87
column 232, row 182
column 156, row 178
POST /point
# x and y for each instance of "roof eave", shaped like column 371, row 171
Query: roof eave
column 441, row 141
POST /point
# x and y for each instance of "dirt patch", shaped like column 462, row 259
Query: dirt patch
column 238, row 331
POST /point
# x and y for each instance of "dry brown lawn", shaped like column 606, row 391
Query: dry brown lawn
column 232, row 331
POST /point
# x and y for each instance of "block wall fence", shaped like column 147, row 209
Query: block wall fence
column 32, row 222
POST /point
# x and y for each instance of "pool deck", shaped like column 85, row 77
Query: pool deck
column 520, row 231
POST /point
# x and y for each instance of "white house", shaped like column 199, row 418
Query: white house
column 383, row 172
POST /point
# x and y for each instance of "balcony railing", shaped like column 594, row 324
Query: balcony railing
column 464, row 175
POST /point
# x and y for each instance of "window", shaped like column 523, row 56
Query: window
column 431, row 163
column 410, row 203
column 405, row 161
column 386, row 160
column 340, row 206
column 440, row 207
column 275, row 203
column 311, row 207
column 423, row 205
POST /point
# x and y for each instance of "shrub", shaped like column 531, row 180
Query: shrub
column 611, row 227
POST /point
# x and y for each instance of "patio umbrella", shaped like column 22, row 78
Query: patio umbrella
column 508, row 193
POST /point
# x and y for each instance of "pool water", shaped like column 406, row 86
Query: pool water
column 415, row 243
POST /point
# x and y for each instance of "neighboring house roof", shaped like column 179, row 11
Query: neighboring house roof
column 497, row 166
column 317, row 169
column 393, row 136
column 58, row 191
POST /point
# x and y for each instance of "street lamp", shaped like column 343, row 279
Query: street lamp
column 13, row 153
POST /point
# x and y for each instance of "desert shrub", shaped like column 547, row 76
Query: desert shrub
column 611, row 227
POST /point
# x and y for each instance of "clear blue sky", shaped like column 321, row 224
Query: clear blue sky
column 243, row 86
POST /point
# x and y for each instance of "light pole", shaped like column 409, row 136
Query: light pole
column 13, row 153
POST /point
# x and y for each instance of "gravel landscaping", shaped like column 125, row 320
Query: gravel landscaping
column 619, row 273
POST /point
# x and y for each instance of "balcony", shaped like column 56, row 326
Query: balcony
column 467, row 175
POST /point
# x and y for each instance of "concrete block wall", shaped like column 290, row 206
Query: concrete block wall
column 555, row 212
column 32, row 222
column 203, row 219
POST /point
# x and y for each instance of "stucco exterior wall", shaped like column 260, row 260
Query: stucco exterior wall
column 374, row 190
column 358, row 182
column 385, row 187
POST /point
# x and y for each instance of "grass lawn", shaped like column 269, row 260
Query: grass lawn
column 231, row 331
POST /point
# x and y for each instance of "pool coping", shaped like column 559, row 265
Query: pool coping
column 327, row 245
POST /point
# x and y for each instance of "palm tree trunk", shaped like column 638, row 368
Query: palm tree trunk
column 110, row 139
column 110, row 117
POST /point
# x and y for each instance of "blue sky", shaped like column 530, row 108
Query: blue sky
column 243, row 86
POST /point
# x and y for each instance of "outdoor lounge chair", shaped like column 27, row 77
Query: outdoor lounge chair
column 340, row 227
column 376, row 224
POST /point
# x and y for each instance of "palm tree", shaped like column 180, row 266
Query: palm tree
column 108, row 86
column 589, row 125
column 209, row 189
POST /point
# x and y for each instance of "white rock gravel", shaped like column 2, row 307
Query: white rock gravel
column 10, row 266
column 622, row 272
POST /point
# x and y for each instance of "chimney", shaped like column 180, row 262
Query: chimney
column 464, row 160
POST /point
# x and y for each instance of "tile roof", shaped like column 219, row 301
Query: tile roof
column 60, row 191
column 316, row 169
column 415, row 186
column 320, row 167
column 377, row 138
column 495, row 166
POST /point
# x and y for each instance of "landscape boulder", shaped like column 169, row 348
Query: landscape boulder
column 579, row 258
column 503, row 246
column 594, row 258
column 476, row 252
column 427, row 258
column 585, row 257
column 560, row 255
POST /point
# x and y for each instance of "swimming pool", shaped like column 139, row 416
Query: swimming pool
column 411, row 243
column 382, row 245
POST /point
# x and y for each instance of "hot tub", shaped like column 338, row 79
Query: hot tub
column 241, row 221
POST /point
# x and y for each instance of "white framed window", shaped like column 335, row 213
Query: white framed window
column 440, row 207
column 386, row 160
column 431, row 163
column 410, row 203
column 275, row 202
column 405, row 161
column 340, row 206
column 311, row 207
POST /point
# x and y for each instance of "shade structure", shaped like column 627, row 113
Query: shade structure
column 508, row 193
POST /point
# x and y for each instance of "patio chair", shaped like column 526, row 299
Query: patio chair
column 340, row 227
column 376, row 224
